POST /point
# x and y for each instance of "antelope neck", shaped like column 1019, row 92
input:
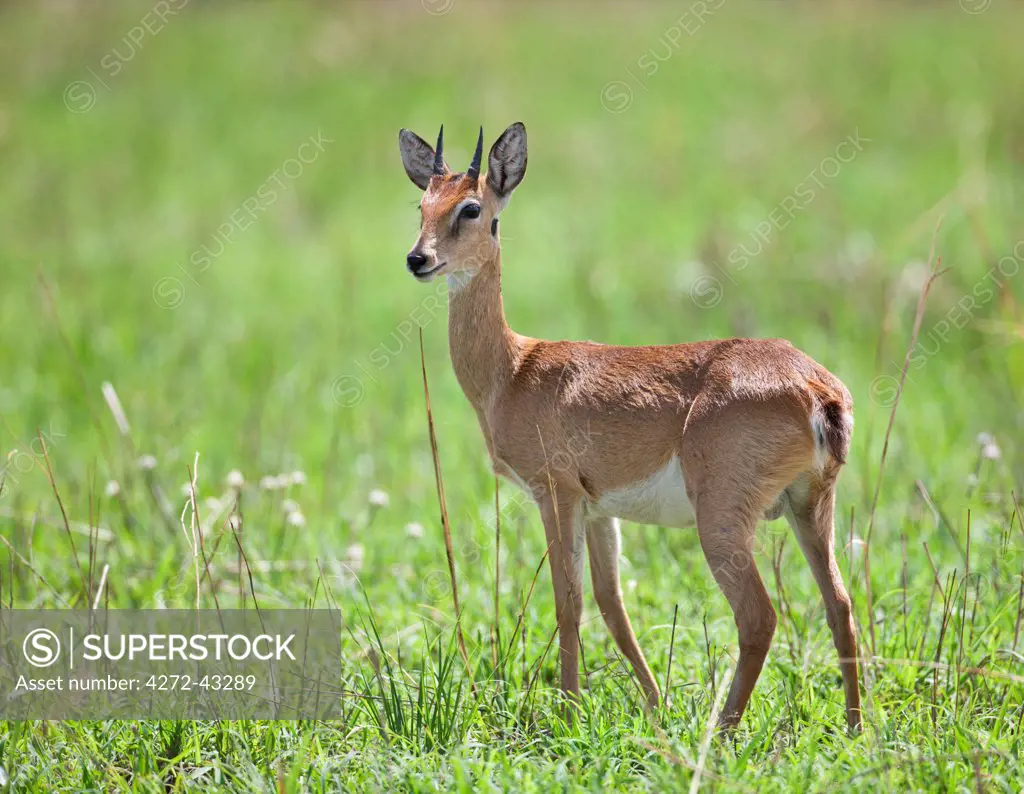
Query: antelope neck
column 484, row 350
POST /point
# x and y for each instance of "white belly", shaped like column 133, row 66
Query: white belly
column 659, row 499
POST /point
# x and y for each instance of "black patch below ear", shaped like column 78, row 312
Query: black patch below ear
column 494, row 227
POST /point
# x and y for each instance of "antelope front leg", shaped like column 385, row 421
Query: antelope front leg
column 564, row 530
column 604, row 545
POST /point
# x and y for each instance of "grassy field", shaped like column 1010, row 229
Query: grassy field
column 211, row 216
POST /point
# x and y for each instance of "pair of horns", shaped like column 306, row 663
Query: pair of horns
column 474, row 167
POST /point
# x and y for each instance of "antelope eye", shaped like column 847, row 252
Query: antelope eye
column 470, row 211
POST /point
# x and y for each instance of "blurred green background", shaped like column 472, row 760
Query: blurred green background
column 202, row 204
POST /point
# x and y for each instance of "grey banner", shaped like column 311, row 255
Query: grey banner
column 170, row 664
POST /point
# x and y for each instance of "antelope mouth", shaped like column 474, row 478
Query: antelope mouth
column 427, row 275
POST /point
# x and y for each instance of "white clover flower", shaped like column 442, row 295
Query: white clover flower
column 235, row 522
column 290, row 506
column 354, row 556
column 401, row 571
column 379, row 498
column 855, row 547
column 296, row 519
column 235, row 479
column 186, row 490
column 112, row 489
column 271, row 483
column 147, row 463
column 298, row 478
column 989, row 447
column 414, row 529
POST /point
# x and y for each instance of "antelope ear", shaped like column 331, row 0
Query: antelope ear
column 506, row 164
column 417, row 157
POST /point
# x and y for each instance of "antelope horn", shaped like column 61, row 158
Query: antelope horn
column 474, row 167
column 439, row 153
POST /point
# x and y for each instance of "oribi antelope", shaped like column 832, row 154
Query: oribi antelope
column 716, row 434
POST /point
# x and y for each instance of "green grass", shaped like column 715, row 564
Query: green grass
column 260, row 365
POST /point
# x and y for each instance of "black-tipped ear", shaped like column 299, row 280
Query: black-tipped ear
column 506, row 164
column 417, row 157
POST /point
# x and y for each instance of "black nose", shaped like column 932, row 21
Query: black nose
column 415, row 261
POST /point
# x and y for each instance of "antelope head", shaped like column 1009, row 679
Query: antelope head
column 459, row 211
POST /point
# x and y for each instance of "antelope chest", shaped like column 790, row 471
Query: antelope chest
column 658, row 499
